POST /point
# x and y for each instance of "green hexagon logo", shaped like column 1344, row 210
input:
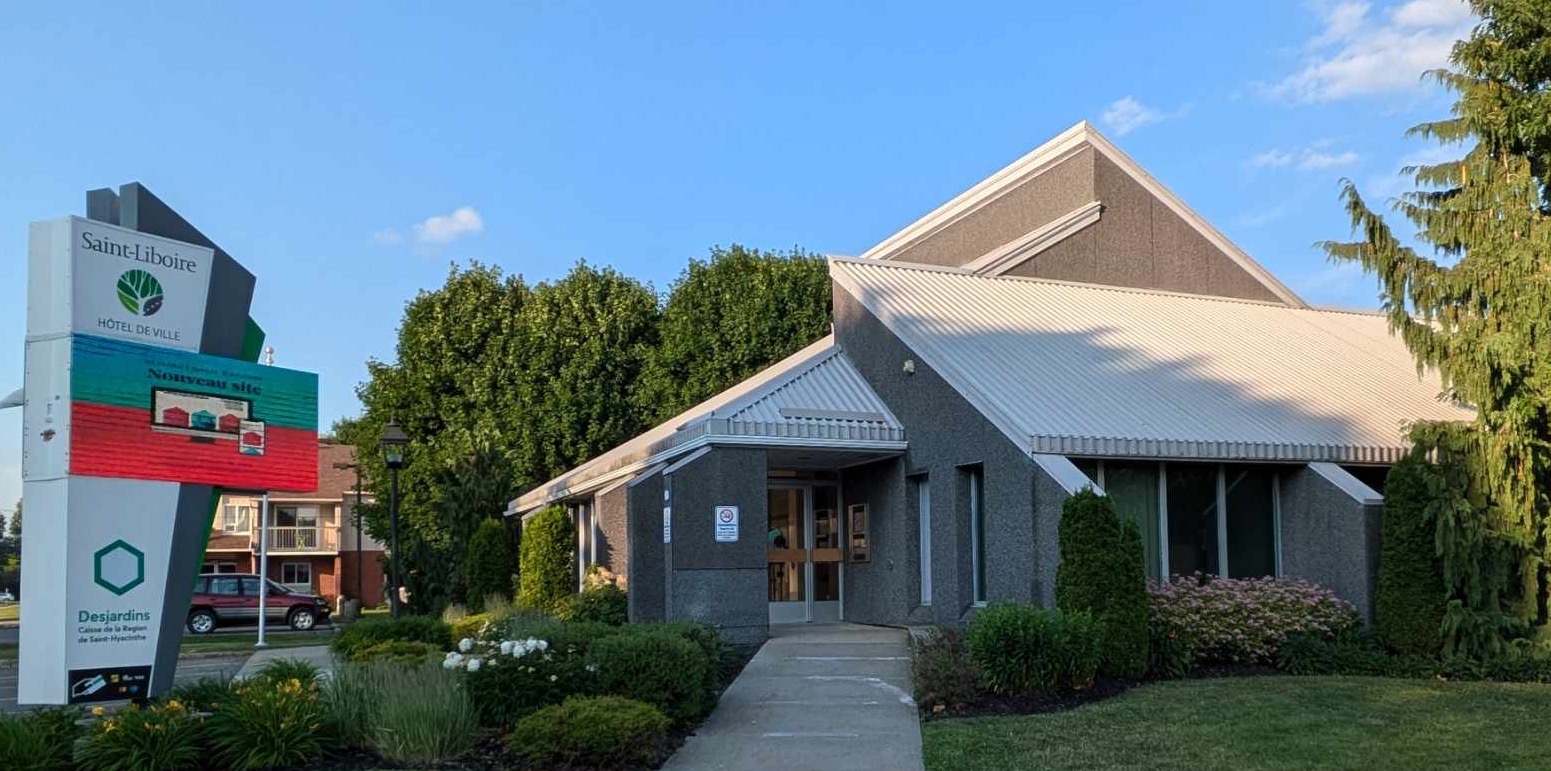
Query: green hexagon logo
column 118, row 567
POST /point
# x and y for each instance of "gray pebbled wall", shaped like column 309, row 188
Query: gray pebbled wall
column 946, row 434
column 644, row 571
column 1330, row 538
column 887, row 588
column 720, row 583
column 611, row 510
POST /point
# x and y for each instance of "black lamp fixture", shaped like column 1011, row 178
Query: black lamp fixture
column 393, row 441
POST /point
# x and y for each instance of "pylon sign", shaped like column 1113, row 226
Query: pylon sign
column 142, row 402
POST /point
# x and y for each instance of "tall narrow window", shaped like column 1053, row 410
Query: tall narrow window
column 1251, row 497
column 1134, row 489
column 977, row 531
column 924, row 517
column 1192, row 491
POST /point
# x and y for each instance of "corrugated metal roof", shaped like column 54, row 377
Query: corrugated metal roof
column 814, row 397
column 1083, row 369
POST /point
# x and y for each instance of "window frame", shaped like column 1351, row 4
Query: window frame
column 1223, row 570
column 978, row 581
column 924, row 536
column 295, row 564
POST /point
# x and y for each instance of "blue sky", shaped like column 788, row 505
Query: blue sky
column 348, row 152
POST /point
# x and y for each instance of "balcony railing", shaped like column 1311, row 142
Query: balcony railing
column 303, row 538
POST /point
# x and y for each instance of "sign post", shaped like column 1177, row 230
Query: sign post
column 142, row 402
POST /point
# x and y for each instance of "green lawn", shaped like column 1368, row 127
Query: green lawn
column 1248, row 724
column 11, row 612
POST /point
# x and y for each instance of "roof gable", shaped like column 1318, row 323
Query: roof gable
column 1112, row 221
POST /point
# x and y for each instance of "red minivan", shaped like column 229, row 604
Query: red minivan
column 222, row 599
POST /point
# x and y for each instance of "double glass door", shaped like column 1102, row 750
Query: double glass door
column 803, row 553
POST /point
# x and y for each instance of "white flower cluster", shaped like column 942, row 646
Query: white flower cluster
column 465, row 658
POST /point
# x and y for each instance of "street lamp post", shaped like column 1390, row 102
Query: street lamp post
column 393, row 441
column 360, row 570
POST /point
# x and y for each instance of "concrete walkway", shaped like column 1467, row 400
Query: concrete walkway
column 318, row 655
column 816, row 696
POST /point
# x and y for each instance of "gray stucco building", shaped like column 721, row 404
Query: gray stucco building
column 1066, row 323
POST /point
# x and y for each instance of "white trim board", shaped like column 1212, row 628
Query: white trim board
column 1346, row 483
column 1065, row 145
column 1028, row 246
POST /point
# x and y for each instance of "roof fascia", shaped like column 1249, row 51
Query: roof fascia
column 1029, row 245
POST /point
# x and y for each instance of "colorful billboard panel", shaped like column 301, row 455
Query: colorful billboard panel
column 148, row 412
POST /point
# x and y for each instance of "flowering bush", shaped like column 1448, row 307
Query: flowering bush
column 511, row 678
column 163, row 737
column 1244, row 620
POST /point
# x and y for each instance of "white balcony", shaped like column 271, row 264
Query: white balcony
column 303, row 539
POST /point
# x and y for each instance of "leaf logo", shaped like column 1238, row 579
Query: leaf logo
column 140, row 293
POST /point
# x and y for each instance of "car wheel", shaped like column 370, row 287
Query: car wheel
column 201, row 622
column 302, row 619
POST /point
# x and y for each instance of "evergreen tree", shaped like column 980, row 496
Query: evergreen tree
column 1477, row 307
column 490, row 564
column 1101, row 573
column 1409, row 604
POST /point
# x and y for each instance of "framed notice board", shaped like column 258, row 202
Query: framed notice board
column 859, row 548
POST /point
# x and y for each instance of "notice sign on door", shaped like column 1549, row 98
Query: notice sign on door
column 726, row 524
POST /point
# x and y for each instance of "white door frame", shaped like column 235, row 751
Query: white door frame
column 803, row 611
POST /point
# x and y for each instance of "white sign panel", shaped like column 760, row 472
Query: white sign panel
column 726, row 524
column 667, row 524
column 114, row 282
column 94, row 638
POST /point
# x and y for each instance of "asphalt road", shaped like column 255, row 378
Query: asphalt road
column 189, row 670
column 10, row 634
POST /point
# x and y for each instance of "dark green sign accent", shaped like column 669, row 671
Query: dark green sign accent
column 118, row 584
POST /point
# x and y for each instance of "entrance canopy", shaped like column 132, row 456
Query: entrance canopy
column 812, row 409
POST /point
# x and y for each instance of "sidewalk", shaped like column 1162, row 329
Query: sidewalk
column 816, row 696
column 318, row 655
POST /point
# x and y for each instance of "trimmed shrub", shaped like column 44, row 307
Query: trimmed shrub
column 603, row 732
column 546, row 573
column 1245, row 620
column 603, row 603
column 368, row 632
column 38, row 741
column 164, row 737
column 490, row 564
column 270, row 723
column 1026, row 651
column 401, row 652
column 422, row 715
column 940, row 667
column 1101, row 574
column 1409, row 604
column 656, row 667
column 722, row 662
column 470, row 626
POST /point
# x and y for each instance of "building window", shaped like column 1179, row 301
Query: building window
column 586, row 541
column 236, row 518
column 924, row 519
column 296, row 574
column 218, row 567
column 975, row 481
column 1217, row 519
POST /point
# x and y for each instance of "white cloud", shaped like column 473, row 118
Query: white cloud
column 1359, row 52
column 1318, row 155
column 1126, row 114
column 1271, row 159
column 388, row 237
column 446, row 228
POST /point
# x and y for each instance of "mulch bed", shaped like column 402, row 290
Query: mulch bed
column 997, row 705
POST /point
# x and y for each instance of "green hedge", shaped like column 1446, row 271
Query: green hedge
column 1026, row 651
column 490, row 564
column 1362, row 655
column 604, row 603
column 656, row 667
column 602, row 732
column 1101, row 573
column 369, row 632
column 1409, row 605
column 547, row 573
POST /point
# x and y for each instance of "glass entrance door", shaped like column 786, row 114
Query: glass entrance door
column 803, row 553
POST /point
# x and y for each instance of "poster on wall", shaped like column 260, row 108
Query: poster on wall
column 142, row 412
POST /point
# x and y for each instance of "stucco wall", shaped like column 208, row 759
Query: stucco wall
column 1330, row 538
column 946, row 434
column 887, row 588
column 720, row 583
column 610, row 508
column 1039, row 201
column 644, row 570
